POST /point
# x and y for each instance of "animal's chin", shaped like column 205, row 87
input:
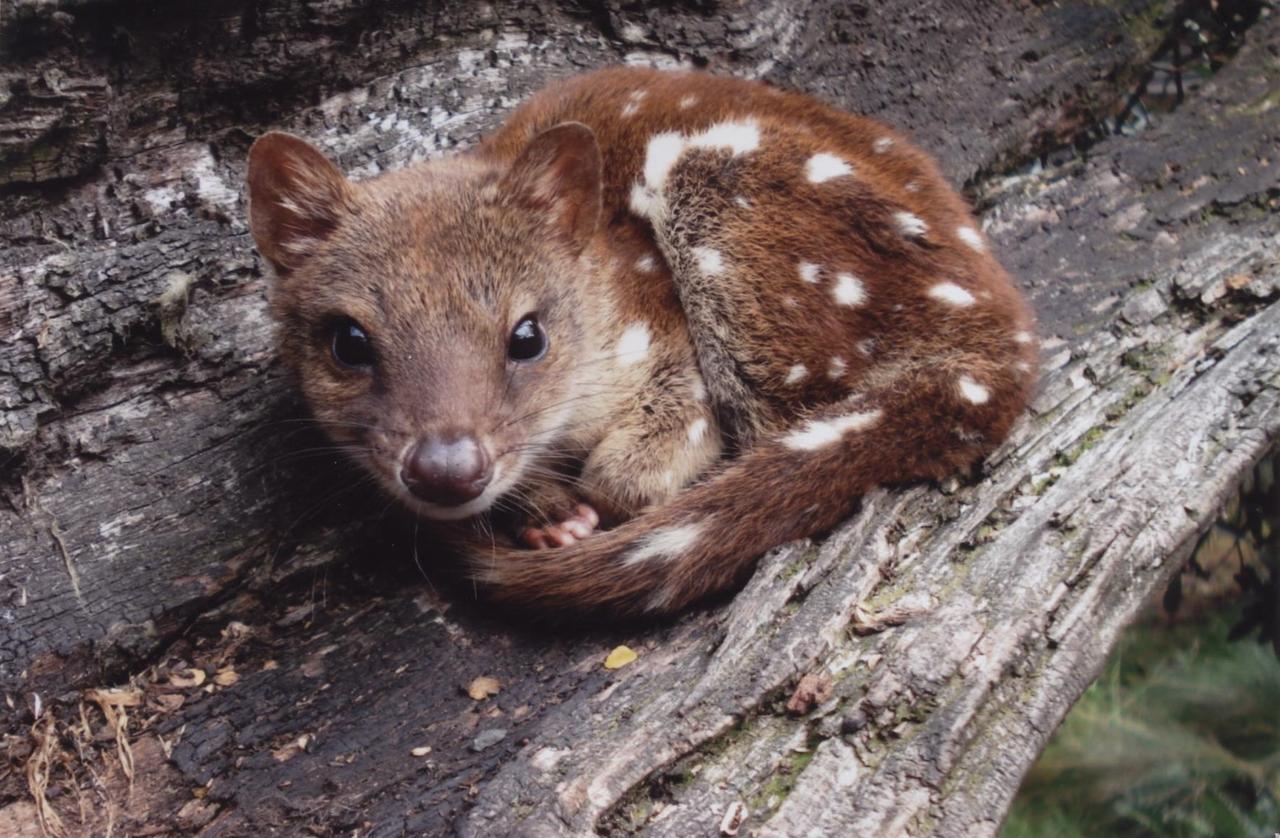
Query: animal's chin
column 452, row 513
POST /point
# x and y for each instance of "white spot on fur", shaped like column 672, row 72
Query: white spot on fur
column 688, row 101
column 849, row 290
column 644, row 202
column 738, row 137
column 633, row 102
column 797, row 373
column 912, row 186
column 1022, row 337
column 742, row 202
column 646, row 263
column 949, row 292
column 660, row 155
column 663, row 544
column 909, row 224
column 971, row 237
column 882, row 145
column 633, row 346
column 1022, row 367
column 866, row 346
column 836, row 367
column 664, row 150
column 710, row 262
column 819, row 433
column 972, row 390
column 809, row 272
column 699, row 390
column 823, row 167
column 697, row 430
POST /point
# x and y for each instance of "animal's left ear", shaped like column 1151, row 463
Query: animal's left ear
column 296, row 198
column 558, row 174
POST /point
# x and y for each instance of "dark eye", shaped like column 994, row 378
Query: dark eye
column 350, row 345
column 528, row 340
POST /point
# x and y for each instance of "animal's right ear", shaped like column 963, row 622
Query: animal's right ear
column 558, row 176
column 296, row 198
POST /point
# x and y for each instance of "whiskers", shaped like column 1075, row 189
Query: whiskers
column 281, row 537
column 590, row 391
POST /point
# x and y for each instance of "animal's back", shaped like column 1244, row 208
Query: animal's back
column 844, row 258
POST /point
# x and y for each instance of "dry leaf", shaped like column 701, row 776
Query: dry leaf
column 226, row 677
column 235, row 628
column 810, row 692
column 195, row 814
column 115, row 697
column 292, row 749
column 619, row 657
column 483, row 687
column 733, row 818
column 421, row 750
column 169, row 702
column 187, row 678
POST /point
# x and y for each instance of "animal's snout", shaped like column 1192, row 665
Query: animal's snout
column 447, row 469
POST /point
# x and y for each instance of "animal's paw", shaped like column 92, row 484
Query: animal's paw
column 571, row 529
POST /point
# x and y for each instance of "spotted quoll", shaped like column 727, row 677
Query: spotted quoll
column 656, row 324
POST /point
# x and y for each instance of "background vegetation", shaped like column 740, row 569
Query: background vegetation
column 1181, row 734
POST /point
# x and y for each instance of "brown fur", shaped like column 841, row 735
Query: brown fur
column 910, row 366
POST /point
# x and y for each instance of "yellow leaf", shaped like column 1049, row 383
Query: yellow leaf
column 483, row 687
column 619, row 657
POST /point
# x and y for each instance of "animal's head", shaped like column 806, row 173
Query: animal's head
column 433, row 314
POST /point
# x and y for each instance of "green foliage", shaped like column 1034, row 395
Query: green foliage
column 1179, row 737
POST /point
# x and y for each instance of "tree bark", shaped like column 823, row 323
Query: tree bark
column 163, row 512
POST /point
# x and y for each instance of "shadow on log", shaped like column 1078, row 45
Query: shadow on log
column 163, row 513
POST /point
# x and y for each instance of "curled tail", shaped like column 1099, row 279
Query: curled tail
column 796, row 483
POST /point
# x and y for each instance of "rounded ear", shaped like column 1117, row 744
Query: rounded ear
column 296, row 198
column 558, row 174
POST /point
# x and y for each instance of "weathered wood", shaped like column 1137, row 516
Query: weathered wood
column 144, row 416
column 132, row 374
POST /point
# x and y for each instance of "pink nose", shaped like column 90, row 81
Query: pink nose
column 447, row 469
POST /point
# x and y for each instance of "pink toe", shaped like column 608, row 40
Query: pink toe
column 534, row 538
column 588, row 513
column 559, row 536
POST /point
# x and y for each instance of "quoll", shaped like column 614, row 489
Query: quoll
column 656, row 324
